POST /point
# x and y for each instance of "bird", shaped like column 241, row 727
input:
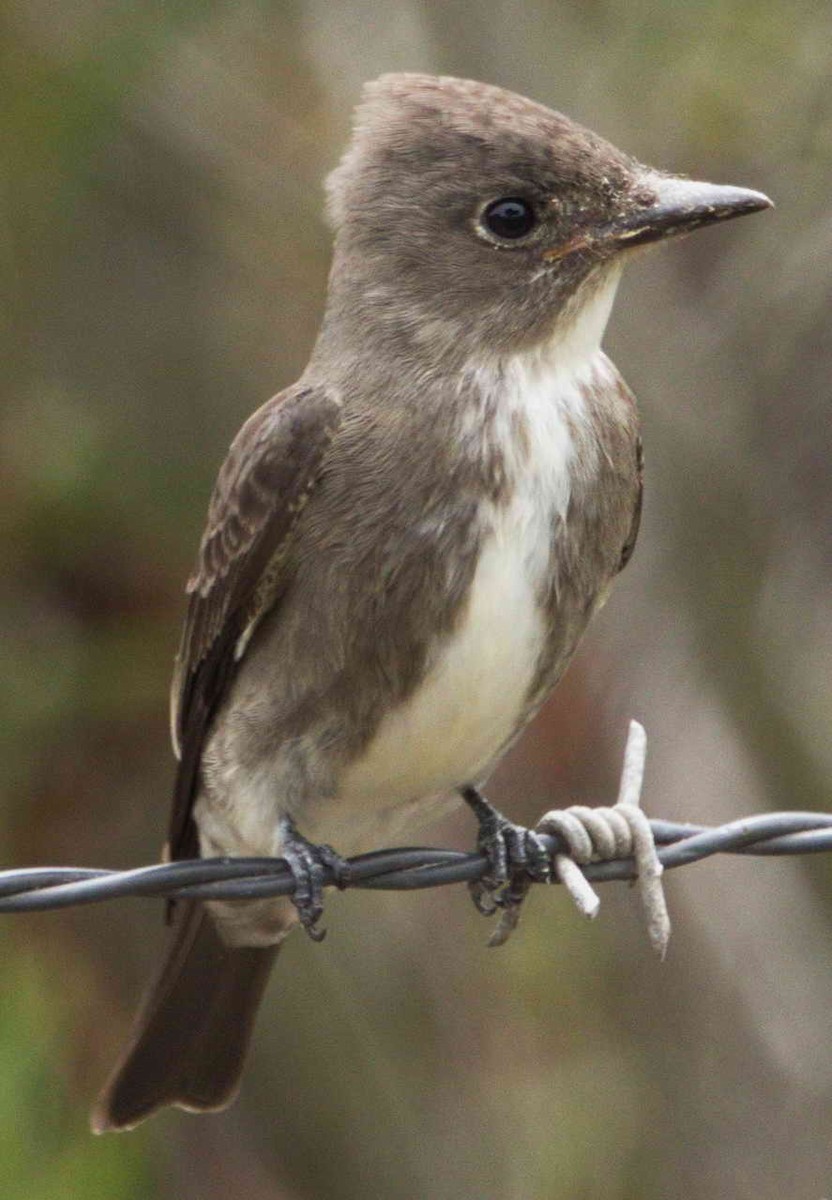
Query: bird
column 404, row 548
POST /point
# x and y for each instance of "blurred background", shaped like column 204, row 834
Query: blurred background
column 165, row 262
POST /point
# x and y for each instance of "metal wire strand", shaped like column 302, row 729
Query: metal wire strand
column 38, row 889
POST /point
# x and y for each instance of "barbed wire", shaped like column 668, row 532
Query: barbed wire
column 574, row 838
column 39, row 889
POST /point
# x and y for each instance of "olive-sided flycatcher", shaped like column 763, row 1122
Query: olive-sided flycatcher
column 404, row 548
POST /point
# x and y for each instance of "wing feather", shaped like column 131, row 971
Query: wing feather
column 271, row 469
column 632, row 537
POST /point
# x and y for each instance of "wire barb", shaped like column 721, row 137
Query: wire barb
column 609, row 834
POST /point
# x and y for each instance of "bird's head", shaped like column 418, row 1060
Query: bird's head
column 470, row 217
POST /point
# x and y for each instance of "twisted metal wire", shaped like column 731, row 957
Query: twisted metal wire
column 38, row 889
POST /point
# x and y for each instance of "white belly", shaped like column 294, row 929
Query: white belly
column 476, row 693
column 469, row 704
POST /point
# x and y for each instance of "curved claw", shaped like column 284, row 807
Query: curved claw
column 516, row 858
column 309, row 865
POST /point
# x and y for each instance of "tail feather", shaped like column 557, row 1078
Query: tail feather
column 193, row 1030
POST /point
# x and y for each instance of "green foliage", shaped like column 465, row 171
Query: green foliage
column 43, row 1153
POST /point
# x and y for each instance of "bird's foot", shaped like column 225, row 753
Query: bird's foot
column 309, row 864
column 606, row 834
column 517, row 857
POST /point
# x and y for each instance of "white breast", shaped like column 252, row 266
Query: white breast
column 449, row 732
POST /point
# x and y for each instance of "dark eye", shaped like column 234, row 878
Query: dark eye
column 509, row 218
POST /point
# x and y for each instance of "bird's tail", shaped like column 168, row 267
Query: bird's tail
column 192, row 1033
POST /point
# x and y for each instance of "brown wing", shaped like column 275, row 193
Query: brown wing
column 630, row 544
column 271, row 468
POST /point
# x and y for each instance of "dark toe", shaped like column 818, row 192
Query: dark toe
column 309, row 865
